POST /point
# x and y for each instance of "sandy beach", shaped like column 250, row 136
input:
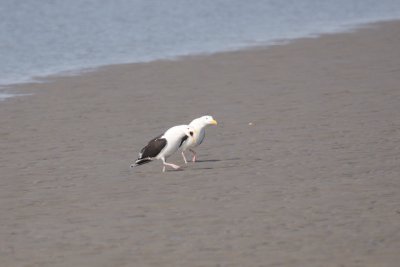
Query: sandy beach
column 302, row 170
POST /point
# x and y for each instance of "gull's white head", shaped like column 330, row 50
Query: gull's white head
column 185, row 132
column 189, row 137
column 189, row 131
column 204, row 121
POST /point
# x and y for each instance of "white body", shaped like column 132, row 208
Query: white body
column 173, row 136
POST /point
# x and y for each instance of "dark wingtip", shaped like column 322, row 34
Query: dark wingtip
column 141, row 162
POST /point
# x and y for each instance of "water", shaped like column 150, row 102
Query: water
column 44, row 37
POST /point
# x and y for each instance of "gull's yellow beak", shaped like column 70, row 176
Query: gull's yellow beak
column 214, row 122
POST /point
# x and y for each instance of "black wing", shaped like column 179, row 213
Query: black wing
column 183, row 140
column 153, row 148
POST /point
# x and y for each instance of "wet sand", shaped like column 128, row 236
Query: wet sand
column 302, row 170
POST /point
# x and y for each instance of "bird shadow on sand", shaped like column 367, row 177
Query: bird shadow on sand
column 203, row 168
column 175, row 170
column 214, row 160
column 207, row 160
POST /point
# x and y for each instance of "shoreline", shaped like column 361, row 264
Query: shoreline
column 302, row 169
column 7, row 89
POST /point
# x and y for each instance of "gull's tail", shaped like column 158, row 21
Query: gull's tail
column 141, row 162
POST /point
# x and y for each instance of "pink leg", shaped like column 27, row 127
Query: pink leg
column 169, row 164
column 194, row 155
column 184, row 157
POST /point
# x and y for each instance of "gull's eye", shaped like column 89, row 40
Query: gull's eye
column 191, row 133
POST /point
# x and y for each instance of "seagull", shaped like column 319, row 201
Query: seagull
column 165, row 145
column 198, row 125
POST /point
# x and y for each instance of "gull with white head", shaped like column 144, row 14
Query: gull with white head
column 165, row 145
column 198, row 125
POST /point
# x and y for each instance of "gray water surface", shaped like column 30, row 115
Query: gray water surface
column 44, row 37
